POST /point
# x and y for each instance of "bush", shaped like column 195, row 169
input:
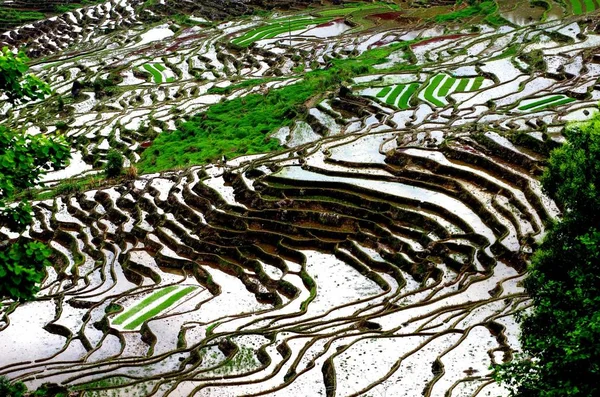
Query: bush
column 8, row 389
column 114, row 163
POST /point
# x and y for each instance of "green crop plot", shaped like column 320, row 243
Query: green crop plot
column 438, row 88
column 579, row 7
column 142, row 305
column 443, row 85
column 384, row 92
column 338, row 12
column 398, row 95
column 155, row 72
column 543, row 103
column 404, row 101
column 430, row 90
column 160, row 308
column 276, row 28
column 134, row 316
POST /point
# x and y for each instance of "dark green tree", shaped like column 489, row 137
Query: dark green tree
column 15, row 83
column 561, row 336
column 23, row 159
column 114, row 163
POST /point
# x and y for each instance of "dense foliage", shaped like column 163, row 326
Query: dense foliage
column 114, row 163
column 561, row 336
column 23, row 159
column 15, row 83
column 8, row 389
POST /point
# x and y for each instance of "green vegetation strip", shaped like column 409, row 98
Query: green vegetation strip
column 384, row 92
column 275, row 29
column 485, row 8
column 143, row 304
column 477, row 85
column 155, row 73
column 391, row 100
column 462, row 86
column 558, row 103
column 403, row 103
column 541, row 102
column 342, row 11
column 166, row 304
column 431, row 87
column 590, row 5
column 448, row 84
column 577, row 7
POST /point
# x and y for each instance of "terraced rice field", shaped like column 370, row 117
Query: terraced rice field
column 159, row 73
column 277, row 28
column 378, row 252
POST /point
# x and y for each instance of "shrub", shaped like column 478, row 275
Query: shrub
column 8, row 389
column 114, row 163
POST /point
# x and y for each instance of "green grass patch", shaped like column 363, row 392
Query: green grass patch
column 163, row 306
column 244, row 84
column 14, row 17
column 143, row 304
column 241, row 126
column 485, row 8
column 509, row 52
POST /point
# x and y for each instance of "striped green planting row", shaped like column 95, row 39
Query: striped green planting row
column 142, row 305
column 354, row 8
column 430, row 89
column 275, row 29
column 584, row 6
column 448, row 85
column 543, row 103
column 400, row 95
column 160, row 308
column 156, row 70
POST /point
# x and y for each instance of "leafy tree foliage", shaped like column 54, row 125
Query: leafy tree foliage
column 15, row 83
column 23, row 159
column 114, row 163
column 561, row 337
column 9, row 389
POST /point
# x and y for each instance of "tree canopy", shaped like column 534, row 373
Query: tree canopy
column 15, row 83
column 23, row 159
column 561, row 336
